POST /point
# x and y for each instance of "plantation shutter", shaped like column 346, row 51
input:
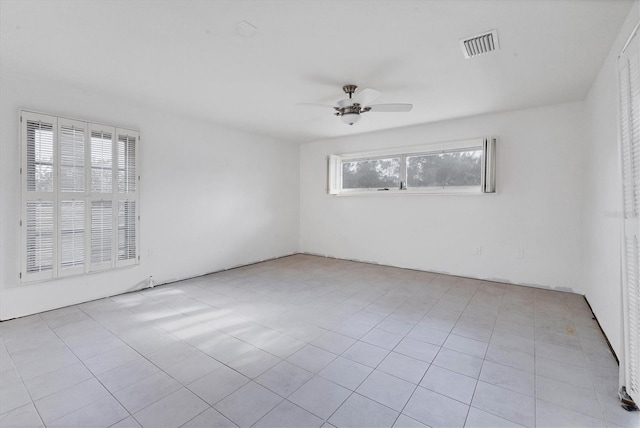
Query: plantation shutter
column 39, row 237
column 101, row 160
column 334, row 174
column 101, row 233
column 38, row 178
column 102, row 220
column 127, row 196
column 72, row 185
column 629, row 78
column 72, row 158
column 79, row 197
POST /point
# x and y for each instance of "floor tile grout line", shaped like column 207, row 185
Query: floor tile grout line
column 479, row 380
column 440, row 348
column 151, row 362
column 205, row 410
column 483, row 360
column 31, row 402
column 163, row 371
column 93, row 374
column 385, row 316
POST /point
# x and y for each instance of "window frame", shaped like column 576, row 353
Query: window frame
column 487, row 173
column 58, row 197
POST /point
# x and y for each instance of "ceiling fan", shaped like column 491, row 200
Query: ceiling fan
column 350, row 109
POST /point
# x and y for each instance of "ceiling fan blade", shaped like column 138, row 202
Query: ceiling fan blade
column 365, row 96
column 315, row 105
column 391, row 107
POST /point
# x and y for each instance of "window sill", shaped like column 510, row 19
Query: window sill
column 397, row 192
column 31, row 279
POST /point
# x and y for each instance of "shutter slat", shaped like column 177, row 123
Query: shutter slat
column 101, row 162
column 629, row 81
column 72, row 159
column 101, row 231
column 39, row 230
column 634, row 127
column 126, row 230
column 40, row 162
column 72, row 237
column 126, row 164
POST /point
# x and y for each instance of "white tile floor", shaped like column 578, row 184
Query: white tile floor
column 306, row 341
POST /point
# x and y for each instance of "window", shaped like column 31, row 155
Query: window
column 371, row 173
column 79, row 197
column 455, row 167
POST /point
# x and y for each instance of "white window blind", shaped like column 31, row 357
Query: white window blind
column 101, row 161
column 126, row 230
column 80, row 197
column 72, row 158
column 629, row 78
column 127, row 196
column 39, row 238
column 101, row 232
column 39, row 150
column 39, row 198
column 126, row 164
column 71, row 190
column 72, row 236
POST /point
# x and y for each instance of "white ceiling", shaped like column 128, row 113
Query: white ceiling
column 187, row 56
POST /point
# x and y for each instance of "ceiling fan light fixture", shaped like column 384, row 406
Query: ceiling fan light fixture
column 350, row 118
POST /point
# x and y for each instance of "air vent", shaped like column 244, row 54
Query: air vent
column 480, row 44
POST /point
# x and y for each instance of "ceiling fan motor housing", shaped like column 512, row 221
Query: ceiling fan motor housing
column 349, row 113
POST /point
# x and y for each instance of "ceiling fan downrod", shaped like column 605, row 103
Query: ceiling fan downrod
column 349, row 90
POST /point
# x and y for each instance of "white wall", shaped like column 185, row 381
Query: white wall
column 602, row 194
column 537, row 208
column 211, row 198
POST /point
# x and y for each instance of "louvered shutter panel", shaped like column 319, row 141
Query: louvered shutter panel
column 102, row 216
column 72, row 236
column 629, row 78
column 38, row 170
column 71, row 196
column 39, row 237
column 334, row 174
column 126, row 231
column 101, row 161
column 40, row 156
column 72, row 159
column 101, row 233
column 126, row 163
column 127, row 197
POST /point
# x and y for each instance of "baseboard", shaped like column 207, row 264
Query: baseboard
column 602, row 331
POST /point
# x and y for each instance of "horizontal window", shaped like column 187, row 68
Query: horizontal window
column 371, row 174
column 459, row 168
column 454, row 167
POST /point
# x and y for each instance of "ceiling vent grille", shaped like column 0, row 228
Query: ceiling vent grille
column 480, row 44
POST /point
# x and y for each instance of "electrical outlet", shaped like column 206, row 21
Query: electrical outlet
column 520, row 253
column 478, row 251
column 150, row 253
